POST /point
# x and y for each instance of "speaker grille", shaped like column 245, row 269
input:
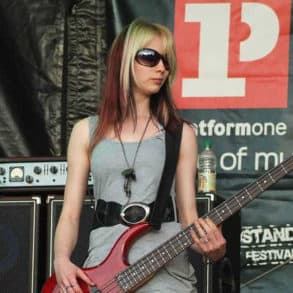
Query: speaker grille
column 19, row 233
column 203, row 270
column 79, row 254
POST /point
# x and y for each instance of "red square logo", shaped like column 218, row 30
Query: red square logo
column 232, row 54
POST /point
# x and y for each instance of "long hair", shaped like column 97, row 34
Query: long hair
column 117, row 101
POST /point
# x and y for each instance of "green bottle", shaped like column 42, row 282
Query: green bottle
column 207, row 164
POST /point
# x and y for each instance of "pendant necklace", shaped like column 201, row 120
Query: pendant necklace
column 129, row 173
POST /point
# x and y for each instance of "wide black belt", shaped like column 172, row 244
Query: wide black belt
column 109, row 213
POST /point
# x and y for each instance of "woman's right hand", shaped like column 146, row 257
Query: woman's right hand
column 67, row 274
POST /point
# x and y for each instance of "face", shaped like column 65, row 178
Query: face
column 148, row 80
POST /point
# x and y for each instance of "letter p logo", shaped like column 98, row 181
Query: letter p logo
column 232, row 54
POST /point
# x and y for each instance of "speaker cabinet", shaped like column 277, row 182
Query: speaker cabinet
column 54, row 207
column 19, row 238
column 203, row 269
column 222, row 276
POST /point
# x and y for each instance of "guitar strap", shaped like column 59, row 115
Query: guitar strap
column 172, row 144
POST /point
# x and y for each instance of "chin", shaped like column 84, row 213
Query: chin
column 155, row 90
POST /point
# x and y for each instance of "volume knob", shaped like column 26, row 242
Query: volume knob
column 53, row 169
column 2, row 171
column 29, row 179
column 37, row 170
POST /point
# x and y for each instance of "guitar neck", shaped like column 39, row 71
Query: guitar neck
column 144, row 268
column 232, row 205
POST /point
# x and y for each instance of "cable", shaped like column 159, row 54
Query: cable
column 267, row 272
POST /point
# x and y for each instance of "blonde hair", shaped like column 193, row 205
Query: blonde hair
column 139, row 33
column 117, row 101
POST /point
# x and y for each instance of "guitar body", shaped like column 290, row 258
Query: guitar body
column 103, row 275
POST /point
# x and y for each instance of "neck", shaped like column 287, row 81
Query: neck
column 142, row 114
column 142, row 104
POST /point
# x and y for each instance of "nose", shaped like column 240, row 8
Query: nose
column 161, row 65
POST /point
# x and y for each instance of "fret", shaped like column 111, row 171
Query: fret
column 216, row 210
column 169, row 251
column 123, row 285
column 129, row 280
column 145, row 267
column 212, row 215
column 155, row 260
column 248, row 193
column 125, row 280
column 172, row 246
column 187, row 238
column 182, row 243
column 284, row 169
column 162, row 255
column 140, row 272
column 151, row 263
column 236, row 198
column 244, row 199
column 141, row 268
column 169, row 255
column 130, row 276
column 259, row 185
column 182, row 246
column 272, row 178
column 134, row 274
column 231, row 213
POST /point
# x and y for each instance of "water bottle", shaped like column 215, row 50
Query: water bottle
column 207, row 163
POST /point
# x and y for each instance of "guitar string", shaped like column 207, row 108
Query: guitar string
column 176, row 247
column 274, row 172
column 110, row 285
column 110, row 289
column 107, row 286
column 255, row 189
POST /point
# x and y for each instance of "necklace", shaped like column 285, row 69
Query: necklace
column 129, row 173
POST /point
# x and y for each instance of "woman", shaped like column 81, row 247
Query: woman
column 124, row 147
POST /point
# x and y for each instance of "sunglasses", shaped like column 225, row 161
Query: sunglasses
column 150, row 57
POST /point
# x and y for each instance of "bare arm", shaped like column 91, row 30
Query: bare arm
column 68, row 224
column 185, row 177
column 209, row 239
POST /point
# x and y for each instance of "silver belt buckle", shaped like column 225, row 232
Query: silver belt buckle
column 138, row 211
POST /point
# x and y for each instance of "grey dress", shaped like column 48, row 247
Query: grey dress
column 107, row 162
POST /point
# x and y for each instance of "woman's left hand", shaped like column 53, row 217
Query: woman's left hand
column 209, row 239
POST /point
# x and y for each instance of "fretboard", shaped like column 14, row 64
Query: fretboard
column 144, row 268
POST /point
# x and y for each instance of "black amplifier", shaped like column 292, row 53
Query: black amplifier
column 33, row 174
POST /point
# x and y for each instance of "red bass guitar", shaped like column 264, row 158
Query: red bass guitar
column 115, row 275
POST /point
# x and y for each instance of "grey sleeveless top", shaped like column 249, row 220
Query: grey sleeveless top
column 107, row 163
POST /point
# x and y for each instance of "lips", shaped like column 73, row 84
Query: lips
column 158, row 80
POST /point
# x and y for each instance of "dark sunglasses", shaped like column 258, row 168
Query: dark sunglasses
column 150, row 57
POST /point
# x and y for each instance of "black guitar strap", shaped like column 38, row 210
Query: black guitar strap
column 172, row 144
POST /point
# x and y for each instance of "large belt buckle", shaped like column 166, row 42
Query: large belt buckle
column 134, row 213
